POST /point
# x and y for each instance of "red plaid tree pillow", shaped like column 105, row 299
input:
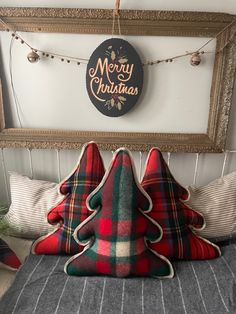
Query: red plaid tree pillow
column 176, row 219
column 116, row 232
column 8, row 258
column 72, row 210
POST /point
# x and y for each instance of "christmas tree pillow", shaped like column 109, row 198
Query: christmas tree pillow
column 115, row 234
column 178, row 221
column 8, row 258
column 72, row 210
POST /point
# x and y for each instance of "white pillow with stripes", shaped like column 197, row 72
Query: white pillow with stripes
column 30, row 202
column 217, row 202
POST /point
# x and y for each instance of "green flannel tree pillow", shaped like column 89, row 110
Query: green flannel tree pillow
column 115, row 234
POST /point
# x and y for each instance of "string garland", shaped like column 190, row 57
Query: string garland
column 34, row 54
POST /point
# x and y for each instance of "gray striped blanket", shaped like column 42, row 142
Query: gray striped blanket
column 41, row 286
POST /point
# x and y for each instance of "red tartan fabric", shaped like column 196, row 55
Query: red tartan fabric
column 72, row 210
column 175, row 218
column 117, row 230
column 7, row 257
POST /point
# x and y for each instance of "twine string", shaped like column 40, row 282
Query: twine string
column 218, row 34
column 16, row 35
column 116, row 13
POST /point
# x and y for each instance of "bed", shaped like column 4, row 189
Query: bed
column 41, row 286
column 22, row 249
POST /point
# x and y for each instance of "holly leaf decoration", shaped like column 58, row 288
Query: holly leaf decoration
column 112, row 102
column 119, row 105
column 123, row 60
column 113, row 55
column 122, row 98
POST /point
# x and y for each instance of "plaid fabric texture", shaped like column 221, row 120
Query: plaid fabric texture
column 116, row 232
column 175, row 218
column 72, row 210
column 7, row 257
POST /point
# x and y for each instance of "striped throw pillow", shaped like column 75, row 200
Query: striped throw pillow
column 217, row 202
column 30, row 202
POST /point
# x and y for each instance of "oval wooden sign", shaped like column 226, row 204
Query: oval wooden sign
column 114, row 77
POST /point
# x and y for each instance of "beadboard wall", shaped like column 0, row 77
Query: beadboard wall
column 53, row 165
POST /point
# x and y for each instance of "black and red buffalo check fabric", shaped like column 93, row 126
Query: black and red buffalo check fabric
column 117, row 231
column 7, row 257
column 72, row 210
column 176, row 219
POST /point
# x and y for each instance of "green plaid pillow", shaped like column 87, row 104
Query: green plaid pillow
column 117, row 231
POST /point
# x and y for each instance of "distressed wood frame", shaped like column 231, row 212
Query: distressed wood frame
column 143, row 23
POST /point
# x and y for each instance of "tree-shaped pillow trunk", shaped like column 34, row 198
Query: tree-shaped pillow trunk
column 72, row 210
column 177, row 220
column 115, row 234
column 8, row 258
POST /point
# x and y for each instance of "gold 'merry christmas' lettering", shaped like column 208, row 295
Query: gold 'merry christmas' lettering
column 104, row 68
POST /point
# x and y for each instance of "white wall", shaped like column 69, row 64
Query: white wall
column 48, row 83
column 60, row 99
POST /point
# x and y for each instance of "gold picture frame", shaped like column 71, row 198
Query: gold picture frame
column 134, row 22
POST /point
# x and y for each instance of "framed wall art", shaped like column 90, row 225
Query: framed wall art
column 169, row 24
